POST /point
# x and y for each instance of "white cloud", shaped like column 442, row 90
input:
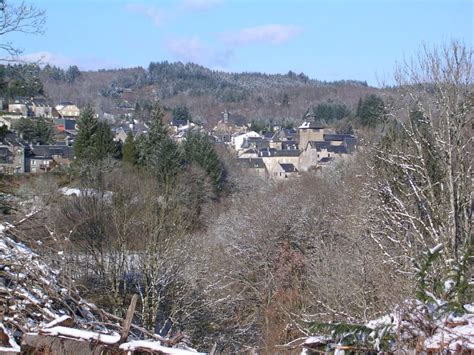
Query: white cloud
column 273, row 34
column 193, row 50
column 59, row 60
column 200, row 4
column 45, row 57
column 154, row 13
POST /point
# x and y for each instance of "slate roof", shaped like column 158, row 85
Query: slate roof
column 289, row 145
column 338, row 149
column 41, row 102
column 268, row 135
column 267, row 152
column 318, row 145
column 288, row 168
column 251, row 163
column 50, row 150
column 288, row 153
column 337, row 137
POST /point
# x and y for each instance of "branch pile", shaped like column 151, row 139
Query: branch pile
column 37, row 309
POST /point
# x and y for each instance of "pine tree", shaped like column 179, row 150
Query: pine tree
column 372, row 111
column 130, row 153
column 87, row 126
column 103, row 142
column 158, row 151
column 199, row 149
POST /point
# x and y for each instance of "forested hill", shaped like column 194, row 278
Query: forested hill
column 198, row 80
column 206, row 92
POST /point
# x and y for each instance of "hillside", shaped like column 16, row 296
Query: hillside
column 206, row 92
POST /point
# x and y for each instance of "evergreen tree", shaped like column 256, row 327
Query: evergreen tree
column 158, row 151
column 130, row 153
column 181, row 112
column 103, row 142
column 72, row 74
column 36, row 131
column 199, row 149
column 84, row 142
column 372, row 111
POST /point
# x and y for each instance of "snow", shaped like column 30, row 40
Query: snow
column 57, row 321
column 450, row 338
column 448, row 285
column 13, row 345
column 436, row 248
column 109, row 339
column 153, row 345
column 469, row 307
column 315, row 339
column 304, row 125
column 453, row 332
column 72, row 191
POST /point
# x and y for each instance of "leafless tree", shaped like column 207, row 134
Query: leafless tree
column 18, row 18
column 422, row 192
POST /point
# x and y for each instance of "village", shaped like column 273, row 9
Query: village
column 277, row 154
column 231, row 177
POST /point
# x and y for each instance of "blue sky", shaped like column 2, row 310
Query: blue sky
column 327, row 40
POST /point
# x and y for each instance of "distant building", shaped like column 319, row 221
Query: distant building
column 253, row 166
column 33, row 107
column 44, row 158
column 19, row 107
column 41, row 108
column 12, row 155
column 238, row 139
column 68, row 110
column 287, row 153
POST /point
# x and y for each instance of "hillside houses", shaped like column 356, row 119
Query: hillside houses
column 287, row 152
column 18, row 156
column 30, row 107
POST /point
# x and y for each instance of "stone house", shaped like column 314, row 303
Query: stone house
column 12, row 155
column 41, row 108
column 253, row 166
column 44, row 158
column 19, row 107
column 284, row 171
column 68, row 109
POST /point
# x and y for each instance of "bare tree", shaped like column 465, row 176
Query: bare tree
column 18, row 18
column 422, row 210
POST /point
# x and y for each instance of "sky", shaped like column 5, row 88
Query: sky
column 326, row 40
